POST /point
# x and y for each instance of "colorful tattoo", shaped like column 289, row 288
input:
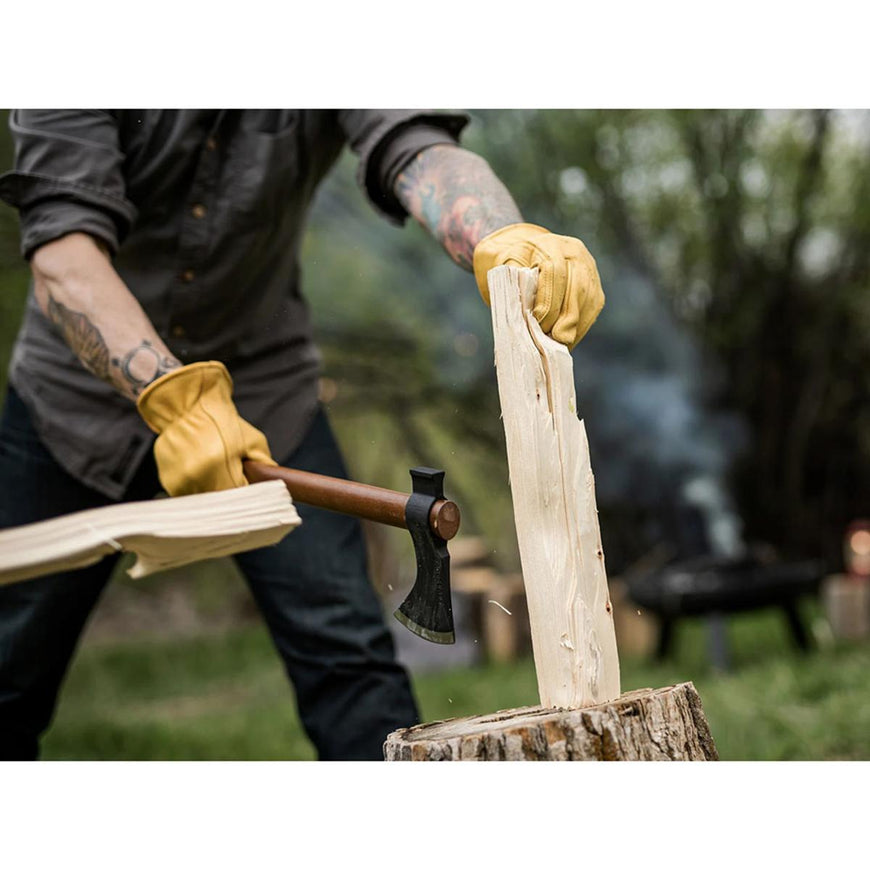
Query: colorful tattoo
column 456, row 196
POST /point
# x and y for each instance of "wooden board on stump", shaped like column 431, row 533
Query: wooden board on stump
column 646, row 725
column 553, row 493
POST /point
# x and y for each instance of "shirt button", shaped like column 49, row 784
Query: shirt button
column 188, row 275
column 210, row 143
column 198, row 211
column 178, row 331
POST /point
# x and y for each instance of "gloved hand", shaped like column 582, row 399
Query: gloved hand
column 569, row 295
column 202, row 440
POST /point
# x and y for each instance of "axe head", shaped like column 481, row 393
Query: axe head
column 427, row 611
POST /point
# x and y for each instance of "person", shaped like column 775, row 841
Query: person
column 166, row 338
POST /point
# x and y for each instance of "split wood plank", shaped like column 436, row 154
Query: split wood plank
column 553, row 494
column 163, row 533
column 665, row 724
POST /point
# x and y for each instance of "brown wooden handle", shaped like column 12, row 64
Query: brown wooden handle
column 358, row 499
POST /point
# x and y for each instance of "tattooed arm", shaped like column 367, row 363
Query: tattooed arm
column 103, row 324
column 456, row 196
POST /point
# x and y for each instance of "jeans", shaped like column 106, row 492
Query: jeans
column 312, row 589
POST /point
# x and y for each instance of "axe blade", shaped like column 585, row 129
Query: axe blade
column 427, row 611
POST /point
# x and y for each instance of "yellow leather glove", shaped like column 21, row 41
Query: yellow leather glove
column 201, row 440
column 569, row 295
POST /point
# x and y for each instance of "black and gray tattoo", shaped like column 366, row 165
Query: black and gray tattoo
column 143, row 365
column 83, row 338
column 456, row 196
column 131, row 373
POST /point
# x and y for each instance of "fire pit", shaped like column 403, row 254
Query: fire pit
column 716, row 585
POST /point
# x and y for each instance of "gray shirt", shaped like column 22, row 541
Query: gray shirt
column 203, row 211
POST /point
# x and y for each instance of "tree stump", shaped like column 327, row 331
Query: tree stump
column 646, row 725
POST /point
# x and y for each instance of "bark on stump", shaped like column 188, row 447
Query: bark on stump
column 646, row 725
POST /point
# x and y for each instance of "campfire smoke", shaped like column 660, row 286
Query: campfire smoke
column 645, row 390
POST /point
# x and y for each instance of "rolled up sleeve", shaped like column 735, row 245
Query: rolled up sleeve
column 385, row 140
column 68, row 177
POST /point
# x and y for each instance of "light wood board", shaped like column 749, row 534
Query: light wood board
column 553, row 493
column 164, row 533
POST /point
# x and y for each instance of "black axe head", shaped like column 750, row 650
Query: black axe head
column 427, row 611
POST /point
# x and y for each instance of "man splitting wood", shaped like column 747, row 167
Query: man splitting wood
column 166, row 300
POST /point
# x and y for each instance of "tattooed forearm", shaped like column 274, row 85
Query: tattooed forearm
column 78, row 289
column 130, row 373
column 456, row 196
column 142, row 365
column 83, row 338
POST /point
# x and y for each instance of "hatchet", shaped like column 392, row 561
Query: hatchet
column 431, row 519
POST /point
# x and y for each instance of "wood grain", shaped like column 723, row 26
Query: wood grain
column 553, row 493
column 163, row 533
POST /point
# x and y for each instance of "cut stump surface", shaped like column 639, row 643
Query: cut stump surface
column 645, row 725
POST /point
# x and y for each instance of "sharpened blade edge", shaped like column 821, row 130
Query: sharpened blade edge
column 445, row 637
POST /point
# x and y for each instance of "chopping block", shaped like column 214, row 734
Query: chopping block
column 645, row 725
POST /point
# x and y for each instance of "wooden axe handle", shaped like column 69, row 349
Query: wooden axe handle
column 358, row 499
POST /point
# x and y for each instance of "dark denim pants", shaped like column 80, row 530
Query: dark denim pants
column 312, row 589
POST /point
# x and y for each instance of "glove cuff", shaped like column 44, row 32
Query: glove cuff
column 159, row 404
column 488, row 250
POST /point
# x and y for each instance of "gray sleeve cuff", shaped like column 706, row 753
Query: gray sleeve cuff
column 50, row 208
column 386, row 140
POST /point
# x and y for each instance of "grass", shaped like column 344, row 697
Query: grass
column 221, row 696
column 224, row 696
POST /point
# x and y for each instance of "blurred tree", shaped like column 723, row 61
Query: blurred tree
column 754, row 228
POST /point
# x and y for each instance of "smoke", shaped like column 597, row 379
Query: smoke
column 645, row 391
column 723, row 526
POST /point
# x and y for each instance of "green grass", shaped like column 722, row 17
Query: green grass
column 224, row 696
column 217, row 697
